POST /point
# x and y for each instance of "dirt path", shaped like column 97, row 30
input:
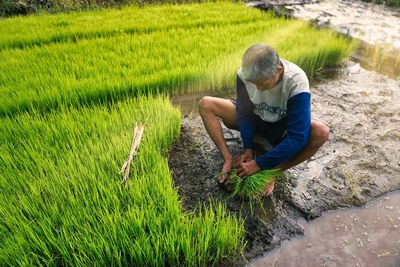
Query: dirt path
column 359, row 162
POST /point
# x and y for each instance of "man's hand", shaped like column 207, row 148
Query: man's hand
column 246, row 156
column 247, row 168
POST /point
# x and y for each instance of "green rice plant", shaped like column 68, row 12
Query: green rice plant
column 17, row 7
column 252, row 186
column 312, row 48
column 107, row 69
column 20, row 32
column 62, row 203
column 110, row 68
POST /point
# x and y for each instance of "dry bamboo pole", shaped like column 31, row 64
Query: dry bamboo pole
column 137, row 137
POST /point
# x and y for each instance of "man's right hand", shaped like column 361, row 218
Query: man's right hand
column 246, row 156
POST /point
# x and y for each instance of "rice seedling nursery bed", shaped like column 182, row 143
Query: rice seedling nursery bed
column 113, row 67
column 73, row 85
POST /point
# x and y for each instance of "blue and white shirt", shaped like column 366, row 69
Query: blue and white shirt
column 289, row 100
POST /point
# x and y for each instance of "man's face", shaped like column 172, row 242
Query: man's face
column 268, row 83
column 271, row 82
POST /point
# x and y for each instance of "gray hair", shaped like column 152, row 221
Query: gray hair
column 259, row 62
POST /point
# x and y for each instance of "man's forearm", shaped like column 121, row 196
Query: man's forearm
column 281, row 153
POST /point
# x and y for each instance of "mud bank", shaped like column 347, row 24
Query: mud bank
column 359, row 162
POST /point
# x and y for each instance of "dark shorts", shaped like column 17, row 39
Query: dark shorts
column 274, row 132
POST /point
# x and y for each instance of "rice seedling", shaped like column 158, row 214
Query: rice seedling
column 62, row 202
column 110, row 68
column 20, row 32
column 252, row 186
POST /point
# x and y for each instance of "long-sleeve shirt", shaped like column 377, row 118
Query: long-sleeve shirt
column 289, row 102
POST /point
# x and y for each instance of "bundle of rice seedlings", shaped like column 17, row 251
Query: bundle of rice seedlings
column 253, row 186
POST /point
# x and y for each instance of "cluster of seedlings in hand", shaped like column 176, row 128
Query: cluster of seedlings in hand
column 253, row 186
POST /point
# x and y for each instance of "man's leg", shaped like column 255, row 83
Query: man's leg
column 212, row 108
column 318, row 136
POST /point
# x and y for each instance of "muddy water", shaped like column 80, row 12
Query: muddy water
column 372, row 23
column 377, row 26
column 368, row 236
column 189, row 102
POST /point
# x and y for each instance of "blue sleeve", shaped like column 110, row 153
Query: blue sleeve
column 245, row 115
column 298, row 131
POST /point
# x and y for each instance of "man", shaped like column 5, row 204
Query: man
column 273, row 100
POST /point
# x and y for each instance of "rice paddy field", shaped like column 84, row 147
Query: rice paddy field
column 73, row 86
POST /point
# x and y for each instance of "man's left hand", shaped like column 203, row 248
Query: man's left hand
column 247, row 168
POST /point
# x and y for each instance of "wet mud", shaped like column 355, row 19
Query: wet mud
column 195, row 164
column 359, row 162
column 367, row 236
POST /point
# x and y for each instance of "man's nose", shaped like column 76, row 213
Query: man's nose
column 259, row 86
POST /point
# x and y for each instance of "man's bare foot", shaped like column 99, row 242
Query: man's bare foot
column 226, row 170
column 269, row 188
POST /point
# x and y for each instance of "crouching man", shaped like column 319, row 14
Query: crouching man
column 273, row 100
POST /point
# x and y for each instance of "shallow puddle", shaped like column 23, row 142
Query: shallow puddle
column 368, row 236
column 189, row 102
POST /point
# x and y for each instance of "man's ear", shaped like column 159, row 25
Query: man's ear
column 280, row 69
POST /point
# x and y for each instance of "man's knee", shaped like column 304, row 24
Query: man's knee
column 206, row 104
column 319, row 134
